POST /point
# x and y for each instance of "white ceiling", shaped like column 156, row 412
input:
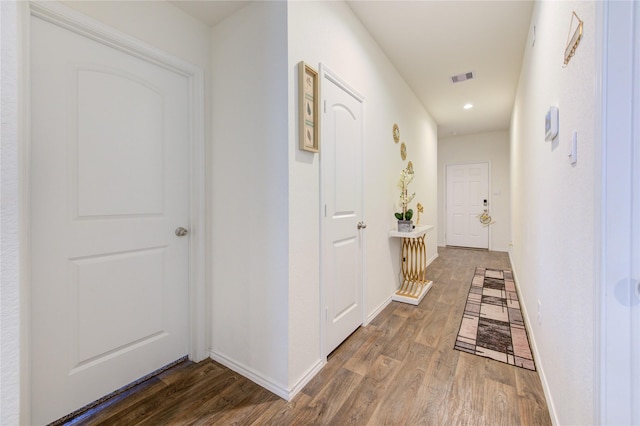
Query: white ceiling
column 429, row 41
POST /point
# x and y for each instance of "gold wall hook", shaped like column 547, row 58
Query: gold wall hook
column 572, row 45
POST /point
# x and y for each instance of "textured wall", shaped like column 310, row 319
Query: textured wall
column 10, row 356
column 157, row 23
column 249, row 218
column 553, row 207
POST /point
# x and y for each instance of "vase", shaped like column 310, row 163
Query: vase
column 405, row 225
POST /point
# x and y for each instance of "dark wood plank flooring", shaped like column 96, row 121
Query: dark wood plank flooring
column 399, row 370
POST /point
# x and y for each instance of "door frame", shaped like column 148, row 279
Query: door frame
column 76, row 22
column 617, row 224
column 325, row 72
column 446, row 194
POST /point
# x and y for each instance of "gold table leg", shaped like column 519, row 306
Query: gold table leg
column 414, row 264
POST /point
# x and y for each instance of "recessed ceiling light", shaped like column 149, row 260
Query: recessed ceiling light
column 468, row 106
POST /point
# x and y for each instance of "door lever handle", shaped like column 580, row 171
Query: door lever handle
column 362, row 225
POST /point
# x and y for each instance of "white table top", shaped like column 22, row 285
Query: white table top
column 417, row 231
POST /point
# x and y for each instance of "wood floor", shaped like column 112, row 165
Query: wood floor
column 399, row 370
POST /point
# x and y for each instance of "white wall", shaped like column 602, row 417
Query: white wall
column 249, row 160
column 10, row 357
column 157, row 23
column 492, row 148
column 553, row 208
column 329, row 33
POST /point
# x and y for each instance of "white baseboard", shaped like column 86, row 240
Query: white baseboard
column 534, row 347
column 306, row 378
column 434, row 257
column 390, row 298
column 255, row 377
column 276, row 388
column 378, row 310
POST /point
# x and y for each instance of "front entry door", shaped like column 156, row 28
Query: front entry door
column 467, row 197
column 342, row 142
column 109, row 186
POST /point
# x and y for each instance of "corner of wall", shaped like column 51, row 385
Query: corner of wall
column 249, row 218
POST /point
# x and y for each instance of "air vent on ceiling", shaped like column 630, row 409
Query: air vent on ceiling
column 463, row 77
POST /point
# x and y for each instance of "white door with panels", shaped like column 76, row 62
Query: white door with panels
column 109, row 176
column 341, row 162
column 467, row 197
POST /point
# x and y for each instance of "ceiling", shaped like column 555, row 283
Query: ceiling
column 429, row 41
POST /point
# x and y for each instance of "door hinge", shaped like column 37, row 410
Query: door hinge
column 325, row 210
column 326, row 314
column 325, row 106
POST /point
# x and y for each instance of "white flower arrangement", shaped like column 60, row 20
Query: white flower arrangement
column 406, row 176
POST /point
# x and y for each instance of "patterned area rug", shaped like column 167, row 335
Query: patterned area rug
column 492, row 324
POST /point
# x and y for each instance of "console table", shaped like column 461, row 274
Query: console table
column 413, row 256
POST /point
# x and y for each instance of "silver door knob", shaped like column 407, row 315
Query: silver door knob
column 362, row 225
column 181, row 232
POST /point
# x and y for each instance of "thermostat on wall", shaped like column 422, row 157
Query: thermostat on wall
column 551, row 124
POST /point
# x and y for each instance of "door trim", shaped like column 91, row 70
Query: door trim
column 69, row 19
column 327, row 73
column 446, row 210
column 616, row 341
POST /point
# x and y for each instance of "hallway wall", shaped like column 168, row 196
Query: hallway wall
column 12, row 361
column 553, row 207
column 489, row 147
column 249, row 219
column 158, row 23
column 329, row 32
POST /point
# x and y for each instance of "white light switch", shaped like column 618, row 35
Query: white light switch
column 573, row 148
column 551, row 124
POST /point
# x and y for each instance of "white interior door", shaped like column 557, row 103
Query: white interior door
column 342, row 142
column 467, row 197
column 109, row 185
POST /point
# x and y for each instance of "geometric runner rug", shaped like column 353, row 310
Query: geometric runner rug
column 492, row 324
